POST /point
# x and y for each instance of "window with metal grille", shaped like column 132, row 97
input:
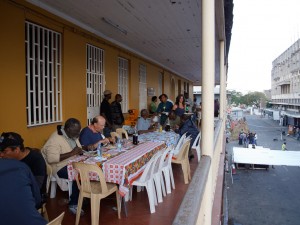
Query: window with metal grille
column 143, row 87
column 94, row 80
column 43, row 75
column 123, row 83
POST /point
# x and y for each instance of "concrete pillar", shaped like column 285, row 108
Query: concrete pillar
column 222, row 82
column 222, row 90
column 208, row 82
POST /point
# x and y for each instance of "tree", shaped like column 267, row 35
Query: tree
column 251, row 98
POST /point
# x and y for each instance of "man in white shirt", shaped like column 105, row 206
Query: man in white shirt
column 143, row 124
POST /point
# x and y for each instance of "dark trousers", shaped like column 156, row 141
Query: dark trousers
column 63, row 173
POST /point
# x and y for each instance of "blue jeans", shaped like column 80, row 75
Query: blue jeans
column 63, row 173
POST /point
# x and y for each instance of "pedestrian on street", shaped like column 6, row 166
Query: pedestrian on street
column 283, row 146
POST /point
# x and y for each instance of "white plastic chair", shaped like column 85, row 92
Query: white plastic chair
column 146, row 180
column 196, row 145
column 157, row 175
column 179, row 144
column 58, row 220
column 168, row 172
column 182, row 158
column 52, row 179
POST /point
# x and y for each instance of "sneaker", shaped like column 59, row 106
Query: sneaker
column 73, row 210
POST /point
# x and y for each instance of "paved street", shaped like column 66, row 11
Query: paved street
column 261, row 197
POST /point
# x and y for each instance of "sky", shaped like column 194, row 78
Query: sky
column 262, row 30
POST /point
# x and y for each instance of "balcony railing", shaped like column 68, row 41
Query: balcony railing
column 193, row 209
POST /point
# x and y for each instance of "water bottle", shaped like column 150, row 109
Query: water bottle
column 119, row 145
column 99, row 151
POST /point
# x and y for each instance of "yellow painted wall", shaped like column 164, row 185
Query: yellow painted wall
column 74, row 40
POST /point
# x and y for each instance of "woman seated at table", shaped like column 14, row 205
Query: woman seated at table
column 143, row 124
column 179, row 106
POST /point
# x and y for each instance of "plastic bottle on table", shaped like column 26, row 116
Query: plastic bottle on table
column 99, row 151
column 119, row 145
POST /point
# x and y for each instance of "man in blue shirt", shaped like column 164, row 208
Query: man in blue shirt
column 19, row 194
column 91, row 135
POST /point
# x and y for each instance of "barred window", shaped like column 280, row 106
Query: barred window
column 94, row 80
column 123, row 83
column 43, row 75
column 143, row 87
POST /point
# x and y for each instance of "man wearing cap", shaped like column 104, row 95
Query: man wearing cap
column 12, row 147
column 62, row 146
column 105, row 111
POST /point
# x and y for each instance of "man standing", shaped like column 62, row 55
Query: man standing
column 91, row 136
column 105, row 111
column 62, row 146
column 188, row 102
column 117, row 115
column 164, row 108
column 283, row 146
column 12, row 147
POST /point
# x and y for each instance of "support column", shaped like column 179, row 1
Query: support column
column 223, row 95
column 222, row 82
column 208, row 83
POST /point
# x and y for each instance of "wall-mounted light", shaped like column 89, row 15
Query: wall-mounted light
column 116, row 26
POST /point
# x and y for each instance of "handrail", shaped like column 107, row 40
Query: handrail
column 217, row 132
column 190, row 206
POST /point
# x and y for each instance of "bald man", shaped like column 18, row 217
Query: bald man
column 91, row 135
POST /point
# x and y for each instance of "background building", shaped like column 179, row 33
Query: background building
column 285, row 85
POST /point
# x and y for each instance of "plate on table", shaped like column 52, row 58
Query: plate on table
column 109, row 147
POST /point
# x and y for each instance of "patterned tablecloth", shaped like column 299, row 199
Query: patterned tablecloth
column 170, row 137
column 124, row 168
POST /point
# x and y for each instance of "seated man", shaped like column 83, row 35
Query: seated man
column 188, row 126
column 91, row 135
column 12, row 147
column 19, row 194
column 62, row 146
column 174, row 120
column 144, row 125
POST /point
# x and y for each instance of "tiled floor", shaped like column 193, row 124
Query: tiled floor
column 138, row 208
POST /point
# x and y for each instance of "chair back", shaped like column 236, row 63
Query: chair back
column 58, row 220
column 183, row 152
column 168, row 160
column 179, row 144
column 84, row 184
column 165, row 157
column 122, row 131
column 114, row 135
column 159, row 161
column 197, row 141
column 149, row 168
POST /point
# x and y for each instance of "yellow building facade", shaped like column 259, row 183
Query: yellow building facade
column 74, row 41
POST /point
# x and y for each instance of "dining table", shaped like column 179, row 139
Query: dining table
column 120, row 167
column 169, row 137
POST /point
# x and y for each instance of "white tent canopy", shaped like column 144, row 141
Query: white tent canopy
column 266, row 156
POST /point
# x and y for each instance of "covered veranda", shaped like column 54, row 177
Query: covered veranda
column 186, row 40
